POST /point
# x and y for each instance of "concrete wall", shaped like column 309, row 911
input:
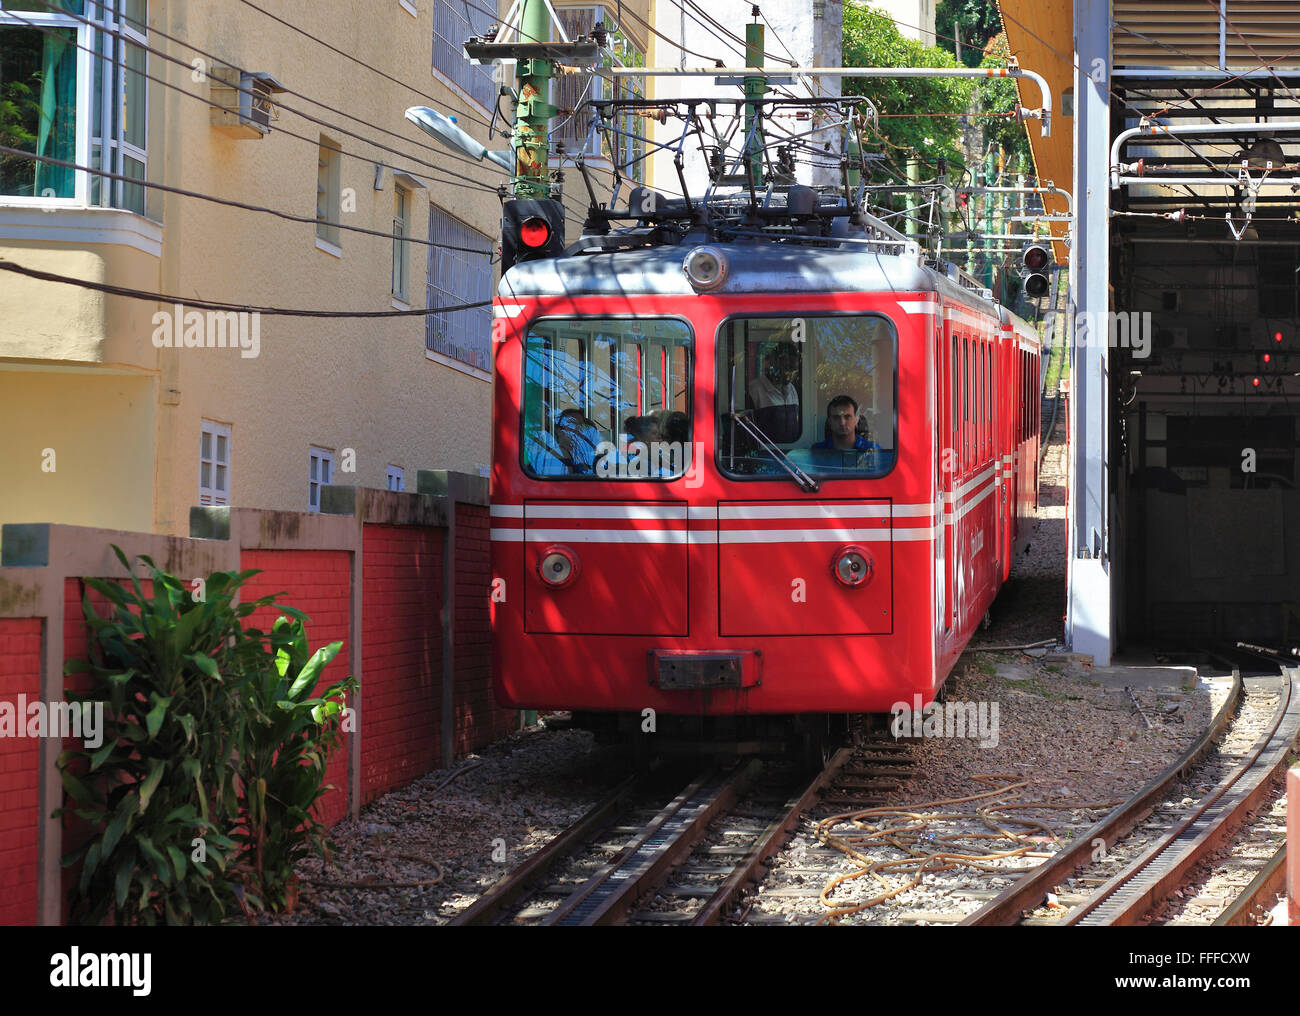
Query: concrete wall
column 77, row 445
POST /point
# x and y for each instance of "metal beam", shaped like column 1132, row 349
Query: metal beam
column 1089, row 625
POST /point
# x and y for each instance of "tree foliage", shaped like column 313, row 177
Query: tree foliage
column 979, row 21
column 871, row 40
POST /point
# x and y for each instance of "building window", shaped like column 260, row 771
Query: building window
column 401, row 242
column 320, row 472
column 454, row 21
column 396, row 478
column 572, row 91
column 456, row 277
column 214, row 463
column 328, row 195
column 70, row 90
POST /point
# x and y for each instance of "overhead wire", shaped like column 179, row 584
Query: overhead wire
column 358, row 60
column 228, row 202
column 206, row 100
column 219, row 305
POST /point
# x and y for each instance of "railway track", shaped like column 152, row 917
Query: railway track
column 688, row 862
column 1122, row 869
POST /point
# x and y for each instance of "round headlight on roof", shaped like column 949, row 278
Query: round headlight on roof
column 706, row 268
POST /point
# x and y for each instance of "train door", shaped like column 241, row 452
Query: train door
column 948, row 474
column 1001, row 449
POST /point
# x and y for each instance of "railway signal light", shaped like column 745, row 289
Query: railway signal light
column 1036, row 258
column 531, row 229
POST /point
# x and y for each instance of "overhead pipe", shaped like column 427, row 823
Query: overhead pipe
column 1044, row 114
column 1152, row 128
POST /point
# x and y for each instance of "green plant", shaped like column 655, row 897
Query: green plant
column 214, row 752
column 161, row 788
column 289, row 735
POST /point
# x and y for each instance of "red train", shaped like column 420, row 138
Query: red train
column 751, row 478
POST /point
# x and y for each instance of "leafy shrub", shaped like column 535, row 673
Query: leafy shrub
column 212, row 757
column 289, row 736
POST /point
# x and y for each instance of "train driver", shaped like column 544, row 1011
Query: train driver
column 842, row 435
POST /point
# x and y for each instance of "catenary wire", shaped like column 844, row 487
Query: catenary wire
column 139, row 294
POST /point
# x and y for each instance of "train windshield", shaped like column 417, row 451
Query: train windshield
column 607, row 398
column 822, row 389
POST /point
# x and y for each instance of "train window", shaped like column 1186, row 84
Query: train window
column 594, row 393
column 966, row 457
column 983, row 409
column 821, row 389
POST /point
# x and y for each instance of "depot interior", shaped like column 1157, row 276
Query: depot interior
column 1204, row 429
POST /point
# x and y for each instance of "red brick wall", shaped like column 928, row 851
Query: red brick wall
column 76, row 646
column 402, row 655
column 20, row 674
column 478, row 720
column 402, row 664
column 317, row 582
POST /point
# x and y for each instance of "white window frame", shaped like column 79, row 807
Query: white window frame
column 331, row 208
column 102, row 16
column 213, row 430
column 402, row 243
column 395, row 478
column 322, row 459
column 409, row 7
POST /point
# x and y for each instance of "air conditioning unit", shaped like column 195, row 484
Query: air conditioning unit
column 246, row 111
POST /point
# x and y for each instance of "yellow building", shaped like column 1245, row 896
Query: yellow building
column 123, row 412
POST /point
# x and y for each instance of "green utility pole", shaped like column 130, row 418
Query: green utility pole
column 913, row 197
column 855, row 155
column 533, row 113
column 755, row 88
column 988, row 219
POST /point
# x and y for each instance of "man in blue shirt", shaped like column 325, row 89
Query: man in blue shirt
column 842, row 437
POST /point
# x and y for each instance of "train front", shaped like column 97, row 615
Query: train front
column 714, row 484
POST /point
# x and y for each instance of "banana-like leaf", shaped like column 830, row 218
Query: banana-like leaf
column 154, row 719
column 156, row 769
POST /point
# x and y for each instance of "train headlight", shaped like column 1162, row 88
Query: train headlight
column 853, row 566
column 558, row 567
column 706, row 268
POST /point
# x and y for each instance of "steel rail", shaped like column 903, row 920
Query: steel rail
column 1270, row 880
column 613, row 891
column 1028, row 891
column 523, row 880
column 771, row 840
column 1156, row 873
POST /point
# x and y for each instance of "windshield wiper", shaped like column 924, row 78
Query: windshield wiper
column 805, row 481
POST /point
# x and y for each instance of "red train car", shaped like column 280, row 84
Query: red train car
column 750, row 478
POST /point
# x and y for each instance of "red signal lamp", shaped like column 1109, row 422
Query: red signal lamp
column 1255, row 382
column 1277, row 336
column 1268, row 357
column 535, row 232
